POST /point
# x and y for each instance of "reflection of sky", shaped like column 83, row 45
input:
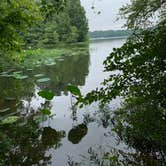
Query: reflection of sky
column 93, row 134
column 109, row 10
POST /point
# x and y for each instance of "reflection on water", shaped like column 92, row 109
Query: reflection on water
column 51, row 137
column 72, row 70
column 26, row 143
column 36, row 139
column 77, row 133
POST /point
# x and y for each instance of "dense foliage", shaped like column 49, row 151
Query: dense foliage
column 15, row 16
column 69, row 26
column 137, row 74
column 45, row 22
column 110, row 33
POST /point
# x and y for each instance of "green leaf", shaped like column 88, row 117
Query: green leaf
column 50, row 63
column 43, row 80
column 10, row 120
column 46, row 111
column 39, row 75
column 17, row 75
column 4, row 110
column 29, row 69
column 22, row 77
column 74, row 90
column 46, row 94
column 17, row 72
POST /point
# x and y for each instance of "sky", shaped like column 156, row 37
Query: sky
column 106, row 20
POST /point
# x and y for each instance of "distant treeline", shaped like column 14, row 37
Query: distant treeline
column 109, row 33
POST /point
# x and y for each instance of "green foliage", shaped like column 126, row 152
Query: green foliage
column 77, row 133
column 50, row 37
column 43, row 80
column 68, row 26
column 137, row 74
column 74, row 90
column 110, row 33
column 46, row 94
column 142, row 13
column 46, row 111
column 9, row 120
column 30, row 139
column 17, row 16
column 21, row 15
column 138, row 67
column 78, row 20
column 49, row 7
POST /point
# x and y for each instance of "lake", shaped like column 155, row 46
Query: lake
column 70, row 135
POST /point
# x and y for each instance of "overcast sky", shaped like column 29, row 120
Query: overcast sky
column 109, row 12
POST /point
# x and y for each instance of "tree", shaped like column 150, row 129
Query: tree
column 70, row 26
column 50, row 37
column 78, row 19
column 16, row 16
column 141, row 60
column 138, row 76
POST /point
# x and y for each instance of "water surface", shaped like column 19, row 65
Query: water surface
column 69, row 134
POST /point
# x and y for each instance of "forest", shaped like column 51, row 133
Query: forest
column 30, row 25
column 110, row 33
column 69, row 26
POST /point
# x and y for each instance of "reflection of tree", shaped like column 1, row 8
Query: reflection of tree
column 102, row 116
column 143, row 127
column 72, row 70
column 27, row 143
column 12, row 90
column 76, row 134
column 51, row 137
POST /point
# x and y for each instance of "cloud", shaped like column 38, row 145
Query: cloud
column 109, row 12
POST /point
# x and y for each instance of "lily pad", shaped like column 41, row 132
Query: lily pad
column 10, row 98
column 6, row 75
column 10, row 120
column 17, row 72
column 50, row 64
column 46, row 94
column 43, row 80
column 60, row 59
column 74, row 90
column 21, row 77
column 39, row 75
column 4, row 110
column 29, row 69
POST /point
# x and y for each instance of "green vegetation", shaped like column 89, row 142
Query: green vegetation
column 110, row 33
column 38, row 57
column 39, row 24
column 69, row 26
column 14, row 19
column 138, row 76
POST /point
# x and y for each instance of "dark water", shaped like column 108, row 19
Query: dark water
column 70, row 135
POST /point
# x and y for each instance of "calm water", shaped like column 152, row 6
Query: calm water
column 70, row 134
